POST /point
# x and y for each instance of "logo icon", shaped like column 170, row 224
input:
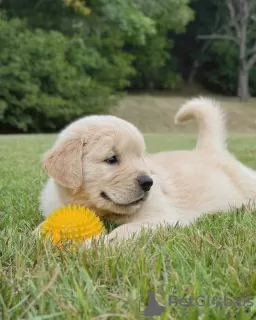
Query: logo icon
column 153, row 308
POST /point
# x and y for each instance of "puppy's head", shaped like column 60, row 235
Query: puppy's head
column 102, row 159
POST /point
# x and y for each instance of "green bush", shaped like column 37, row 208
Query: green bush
column 48, row 79
column 156, row 68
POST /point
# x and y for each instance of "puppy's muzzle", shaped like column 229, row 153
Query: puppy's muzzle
column 145, row 182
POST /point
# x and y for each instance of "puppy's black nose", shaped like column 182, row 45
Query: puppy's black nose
column 145, row 182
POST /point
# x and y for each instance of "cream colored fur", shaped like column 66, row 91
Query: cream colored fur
column 186, row 185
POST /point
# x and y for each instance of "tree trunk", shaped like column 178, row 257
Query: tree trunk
column 243, row 85
column 192, row 74
column 243, row 76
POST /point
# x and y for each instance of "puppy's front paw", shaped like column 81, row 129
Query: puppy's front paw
column 94, row 242
column 123, row 233
column 116, row 237
column 103, row 240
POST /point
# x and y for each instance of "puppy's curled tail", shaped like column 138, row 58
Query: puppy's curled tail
column 210, row 119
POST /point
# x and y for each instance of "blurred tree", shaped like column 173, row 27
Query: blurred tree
column 78, row 6
column 239, row 27
column 191, row 52
column 132, row 36
column 72, row 67
column 219, row 71
column 46, row 78
column 155, row 64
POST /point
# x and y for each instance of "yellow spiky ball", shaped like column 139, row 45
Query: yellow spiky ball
column 72, row 224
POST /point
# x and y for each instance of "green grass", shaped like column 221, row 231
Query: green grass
column 215, row 257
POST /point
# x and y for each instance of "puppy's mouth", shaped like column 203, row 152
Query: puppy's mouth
column 106, row 197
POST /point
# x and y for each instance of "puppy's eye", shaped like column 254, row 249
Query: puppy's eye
column 112, row 160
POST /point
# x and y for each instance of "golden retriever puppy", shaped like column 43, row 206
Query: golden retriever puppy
column 100, row 162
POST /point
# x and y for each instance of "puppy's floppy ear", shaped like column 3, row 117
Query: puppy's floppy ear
column 64, row 162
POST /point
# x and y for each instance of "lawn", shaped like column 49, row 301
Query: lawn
column 215, row 257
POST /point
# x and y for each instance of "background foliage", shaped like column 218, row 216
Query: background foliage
column 66, row 58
